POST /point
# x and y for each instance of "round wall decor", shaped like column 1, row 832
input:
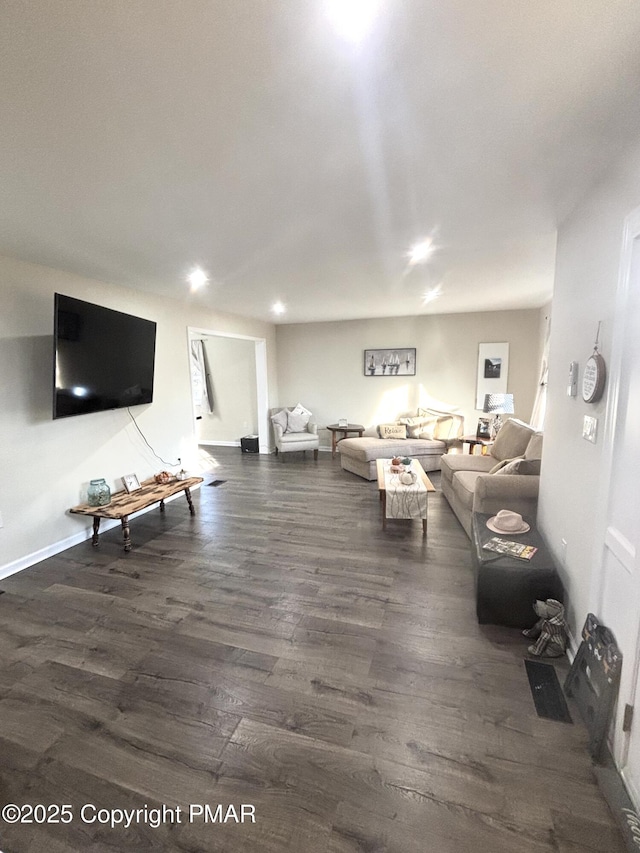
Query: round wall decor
column 593, row 378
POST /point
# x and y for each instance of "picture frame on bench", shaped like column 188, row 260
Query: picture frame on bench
column 130, row 483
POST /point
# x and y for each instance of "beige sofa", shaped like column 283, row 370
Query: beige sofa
column 515, row 457
column 430, row 434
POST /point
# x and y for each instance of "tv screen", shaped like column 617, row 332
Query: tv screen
column 104, row 359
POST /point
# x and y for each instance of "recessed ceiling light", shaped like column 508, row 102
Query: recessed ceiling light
column 432, row 293
column 278, row 308
column 352, row 19
column 197, row 278
column 421, row 252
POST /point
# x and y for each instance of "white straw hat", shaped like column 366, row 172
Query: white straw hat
column 507, row 521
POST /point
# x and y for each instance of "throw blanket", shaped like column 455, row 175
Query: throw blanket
column 404, row 501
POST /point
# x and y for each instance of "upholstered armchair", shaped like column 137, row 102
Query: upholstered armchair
column 293, row 429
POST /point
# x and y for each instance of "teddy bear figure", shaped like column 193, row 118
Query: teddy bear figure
column 549, row 632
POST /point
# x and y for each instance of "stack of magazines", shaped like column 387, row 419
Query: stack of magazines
column 509, row 548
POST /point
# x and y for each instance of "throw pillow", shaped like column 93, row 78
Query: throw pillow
column 512, row 440
column 443, row 429
column 534, row 448
column 280, row 418
column 417, row 426
column 521, row 466
column 500, row 465
column 392, row 431
column 297, row 422
column 300, row 410
column 429, row 413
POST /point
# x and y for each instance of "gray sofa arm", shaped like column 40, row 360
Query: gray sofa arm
column 313, row 428
column 518, row 492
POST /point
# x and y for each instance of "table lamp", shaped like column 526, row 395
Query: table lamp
column 497, row 404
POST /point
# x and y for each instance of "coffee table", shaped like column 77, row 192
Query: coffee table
column 382, row 489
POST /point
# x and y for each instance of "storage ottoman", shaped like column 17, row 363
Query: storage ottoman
column 507, row 587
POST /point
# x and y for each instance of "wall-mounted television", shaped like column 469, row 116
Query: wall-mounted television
column 104, row 359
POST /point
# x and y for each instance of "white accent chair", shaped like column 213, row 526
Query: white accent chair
column 287, row 440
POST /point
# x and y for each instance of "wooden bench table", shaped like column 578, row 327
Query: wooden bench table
column 123, row 504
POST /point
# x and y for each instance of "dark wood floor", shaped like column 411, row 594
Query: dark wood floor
column 280, row 650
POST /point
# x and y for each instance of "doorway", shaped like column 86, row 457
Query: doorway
column 237, row 381
column 615, row 594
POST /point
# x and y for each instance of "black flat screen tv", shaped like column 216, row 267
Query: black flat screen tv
column 104, row 359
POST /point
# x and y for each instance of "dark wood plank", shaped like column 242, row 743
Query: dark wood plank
column 279, row 649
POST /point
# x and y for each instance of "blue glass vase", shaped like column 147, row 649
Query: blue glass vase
column 98, row 493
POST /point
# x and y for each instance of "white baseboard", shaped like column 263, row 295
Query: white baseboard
column 56, row 547
column 219, row 443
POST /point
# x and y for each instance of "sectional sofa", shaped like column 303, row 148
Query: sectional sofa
column 425, row 437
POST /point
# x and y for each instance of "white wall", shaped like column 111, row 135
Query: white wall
column 232, row 369
column 588, row 259
column 46, row 465
column 321, row 365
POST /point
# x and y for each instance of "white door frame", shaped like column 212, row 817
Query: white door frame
column 623, row 550
column 262, row 384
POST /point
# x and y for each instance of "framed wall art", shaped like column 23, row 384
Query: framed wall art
column 390, row 362
column 493, row 371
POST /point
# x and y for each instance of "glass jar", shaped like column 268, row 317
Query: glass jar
column 98, row 493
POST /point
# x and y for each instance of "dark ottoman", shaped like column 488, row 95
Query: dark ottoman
column 507, row 587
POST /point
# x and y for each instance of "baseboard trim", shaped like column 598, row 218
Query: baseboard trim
column 219, row 443
column 612, row 784
column 29, row 560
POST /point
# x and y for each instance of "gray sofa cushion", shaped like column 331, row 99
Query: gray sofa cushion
column 534, row 448
column 512, row 440
column 453, row 462
column 365, row 449
column 464, row 484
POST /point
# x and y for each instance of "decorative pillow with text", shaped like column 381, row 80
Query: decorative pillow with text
column 392, row 431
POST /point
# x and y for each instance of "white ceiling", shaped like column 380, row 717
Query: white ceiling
column 139, row 138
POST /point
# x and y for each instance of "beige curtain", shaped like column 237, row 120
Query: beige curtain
column 200, row 378
column 540, row 404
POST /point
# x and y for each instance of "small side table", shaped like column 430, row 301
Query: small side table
column 472, row 440
column 339, row 432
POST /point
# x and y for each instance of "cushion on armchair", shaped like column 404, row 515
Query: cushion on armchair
column 297, row 421
column 280, row 419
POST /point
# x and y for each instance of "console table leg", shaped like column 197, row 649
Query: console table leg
column 126, row 533
column 162, row 506
column 187, row 494
column 96, row 528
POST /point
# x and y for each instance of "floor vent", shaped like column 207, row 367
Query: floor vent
column 547, row 692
